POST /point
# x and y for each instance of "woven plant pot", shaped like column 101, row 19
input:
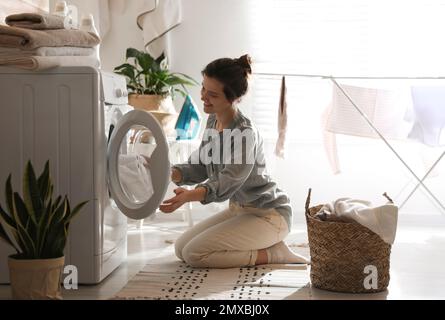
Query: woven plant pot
column 149, row 102
column 37, row 279
column 343, row 252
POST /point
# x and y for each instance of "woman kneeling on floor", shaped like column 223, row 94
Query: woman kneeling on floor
column 230, row 165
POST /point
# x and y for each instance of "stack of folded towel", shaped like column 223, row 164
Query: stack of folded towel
column 39, row 41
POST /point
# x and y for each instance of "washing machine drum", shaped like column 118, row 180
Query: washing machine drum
column 138, row 164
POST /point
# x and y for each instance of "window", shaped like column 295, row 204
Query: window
column 341, row 38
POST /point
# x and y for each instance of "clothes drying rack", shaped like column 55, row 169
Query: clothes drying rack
column 333, row 79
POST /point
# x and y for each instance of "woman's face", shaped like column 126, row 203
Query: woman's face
column 212, row 94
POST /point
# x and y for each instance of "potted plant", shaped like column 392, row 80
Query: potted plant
column 36, row 226
column 152, row 86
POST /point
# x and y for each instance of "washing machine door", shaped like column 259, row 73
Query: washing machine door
column 138, row 164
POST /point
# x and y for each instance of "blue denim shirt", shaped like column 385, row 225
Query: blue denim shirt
column 239, row 176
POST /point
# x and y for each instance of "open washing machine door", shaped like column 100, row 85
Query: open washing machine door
column 138, row 164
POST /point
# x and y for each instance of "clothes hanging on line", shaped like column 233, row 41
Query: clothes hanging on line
column 282, row 120
column 386, row 108
column 429, row 115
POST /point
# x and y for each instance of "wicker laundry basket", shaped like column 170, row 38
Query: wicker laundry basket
column 345, row 254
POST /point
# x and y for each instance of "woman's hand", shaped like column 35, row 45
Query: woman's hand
column 170, row 205
column 182, row 196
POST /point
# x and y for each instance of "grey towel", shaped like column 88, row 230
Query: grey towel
column 35, row 21
column 27, row 39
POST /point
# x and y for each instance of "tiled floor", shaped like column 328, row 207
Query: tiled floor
column 417, row 261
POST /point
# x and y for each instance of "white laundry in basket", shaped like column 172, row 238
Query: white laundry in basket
column 382, row 220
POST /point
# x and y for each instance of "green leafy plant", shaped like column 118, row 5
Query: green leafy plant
column 36, row 225
column 146, row 75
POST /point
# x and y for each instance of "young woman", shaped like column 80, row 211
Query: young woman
column 231, row 166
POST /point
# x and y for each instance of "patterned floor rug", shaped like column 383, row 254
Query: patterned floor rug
column 176, row 280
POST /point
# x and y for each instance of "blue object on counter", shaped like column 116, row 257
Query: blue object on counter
column 189, row 119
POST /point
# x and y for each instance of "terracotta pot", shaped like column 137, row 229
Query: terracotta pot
column 37, row 279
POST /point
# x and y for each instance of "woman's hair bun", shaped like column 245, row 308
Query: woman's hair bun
column 245, row 62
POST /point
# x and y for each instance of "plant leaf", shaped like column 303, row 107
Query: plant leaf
column 160, row 59
column 56, row 203
column 7, row 218
column 8, row 222
column 123, row 66
column 43, row 226
column 29, row 249
column 20, row 212
column 52, row 229
column 9, row 195
column 44, row 183
column 60, row 212
column 183, row 93
column 127, row 70
column 4, row 236
column 146, row 62
column 187, row 77
column 75, row 211
column 31, row 194
column 172, row 81
column 132, row 53
column 131, row 87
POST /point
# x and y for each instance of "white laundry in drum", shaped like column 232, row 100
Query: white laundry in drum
column 135, row 177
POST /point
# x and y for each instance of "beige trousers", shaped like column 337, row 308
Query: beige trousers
column 231, row 238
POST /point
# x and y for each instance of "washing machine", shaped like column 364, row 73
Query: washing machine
column 99, row 149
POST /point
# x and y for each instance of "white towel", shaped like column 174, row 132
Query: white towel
column 382, row 220
column 282, row 120
column 47, row 52
column 38, row 63
column 156, row 20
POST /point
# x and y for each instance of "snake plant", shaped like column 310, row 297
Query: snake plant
column 36, row 226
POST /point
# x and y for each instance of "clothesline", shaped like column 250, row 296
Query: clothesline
column 347, row 77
